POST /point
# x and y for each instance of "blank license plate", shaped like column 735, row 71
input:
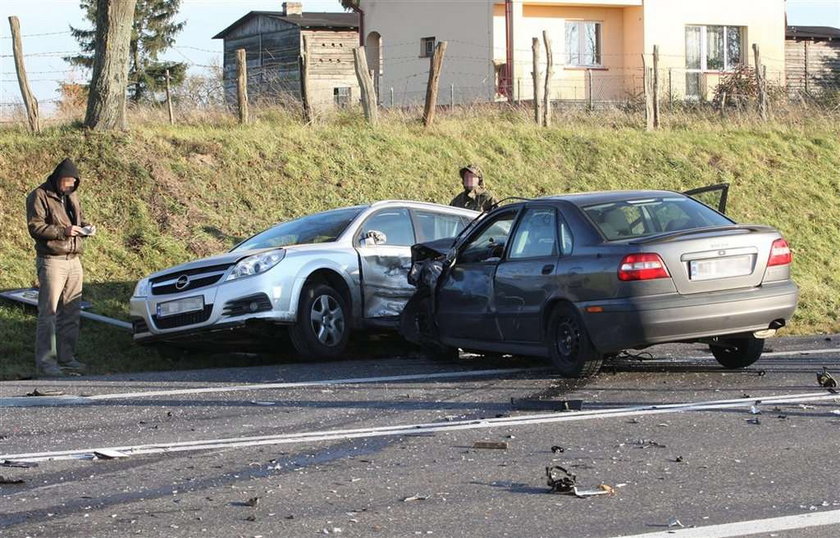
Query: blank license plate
column 181, row 306
column 721, row 267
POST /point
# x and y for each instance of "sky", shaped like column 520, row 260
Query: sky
column 44, row 23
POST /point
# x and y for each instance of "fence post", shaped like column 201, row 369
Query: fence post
column 549, row 74
column 535, row 49
column 29, row 100
column 169, row 99
column 590, row 106
column 670, row 90
column 392, row 97
column 242, row 85
column 365, row 85
column 452, row 96
column 305, row 97
column 759, row 79
column 432, row 87
column 656, row 86
column 646, row 79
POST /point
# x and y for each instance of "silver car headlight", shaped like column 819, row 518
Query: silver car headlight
column 143, row 288
column 257, row 264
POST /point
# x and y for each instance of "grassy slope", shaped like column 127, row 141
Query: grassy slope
column 161, row 195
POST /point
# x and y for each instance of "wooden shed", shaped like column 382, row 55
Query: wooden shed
column 273, row 41
column 812, row 59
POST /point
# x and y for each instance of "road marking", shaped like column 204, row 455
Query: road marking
column 85, row 400
column 801, row 352
column 403, row 429
column 756, row 526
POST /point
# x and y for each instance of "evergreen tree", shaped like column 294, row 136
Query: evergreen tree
column 153, row 32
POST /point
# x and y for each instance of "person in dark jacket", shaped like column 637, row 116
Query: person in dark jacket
column 57, row 224
column 474, row 196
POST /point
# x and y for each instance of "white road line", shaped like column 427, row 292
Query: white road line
column 403, row 429
column 83, row 400
column 747, row 528
column 801, row 352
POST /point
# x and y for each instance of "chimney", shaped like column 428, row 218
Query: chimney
column 292, row 8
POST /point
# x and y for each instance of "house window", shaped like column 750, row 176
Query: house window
column 583, row 43
column 711, row 48
column 427, row 47
column 341, row 95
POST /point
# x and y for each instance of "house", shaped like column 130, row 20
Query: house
column 812, row 57
column 597, row 45
column 273, row 41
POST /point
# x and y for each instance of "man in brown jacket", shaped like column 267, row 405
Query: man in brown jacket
column 57, row 225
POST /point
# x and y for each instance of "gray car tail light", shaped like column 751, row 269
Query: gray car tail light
column 643, row 266
column 780, row 253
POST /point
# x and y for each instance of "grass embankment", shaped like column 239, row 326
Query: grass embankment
column 162, row 195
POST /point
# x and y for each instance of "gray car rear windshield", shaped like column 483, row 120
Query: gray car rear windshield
column 629, row 219
column 318, row 228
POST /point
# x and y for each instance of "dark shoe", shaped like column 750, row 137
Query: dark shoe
column 50, row 370
column 74, row 365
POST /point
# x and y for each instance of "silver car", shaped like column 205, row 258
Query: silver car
column 321, row 275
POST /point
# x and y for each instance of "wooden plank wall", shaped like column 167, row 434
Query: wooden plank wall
column 273, row 63
column 812, row 66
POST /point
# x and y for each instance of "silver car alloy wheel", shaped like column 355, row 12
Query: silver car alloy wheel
column 327, row 320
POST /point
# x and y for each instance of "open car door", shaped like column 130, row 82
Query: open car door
column 713, row 196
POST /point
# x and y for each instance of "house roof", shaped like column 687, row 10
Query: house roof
column 308, row 20
column 812, row 32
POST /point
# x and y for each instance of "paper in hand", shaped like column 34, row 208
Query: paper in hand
column 88, row 230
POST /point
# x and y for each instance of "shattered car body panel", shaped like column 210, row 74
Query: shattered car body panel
column 357, row 258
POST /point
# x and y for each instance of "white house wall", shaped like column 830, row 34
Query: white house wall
column 467, row 27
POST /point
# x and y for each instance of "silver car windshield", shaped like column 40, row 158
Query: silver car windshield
column 628, row 219
column 318, row 228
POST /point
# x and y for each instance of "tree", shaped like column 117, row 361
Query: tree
column 153, row 32
column 109, row 79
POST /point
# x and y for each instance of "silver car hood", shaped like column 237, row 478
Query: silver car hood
column 230, row 258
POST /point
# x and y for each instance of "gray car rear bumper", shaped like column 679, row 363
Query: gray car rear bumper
column 637, row 322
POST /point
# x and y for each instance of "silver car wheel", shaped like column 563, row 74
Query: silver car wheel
column 327, row 320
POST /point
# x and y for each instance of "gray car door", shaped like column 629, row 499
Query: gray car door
column 525, row 279
column 714, row 196
column 384, row 246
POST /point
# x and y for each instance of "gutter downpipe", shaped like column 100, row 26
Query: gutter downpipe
column 360, row 11
column 509, row 48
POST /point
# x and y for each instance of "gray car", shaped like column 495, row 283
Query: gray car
column 581, row 277
column 320, row 276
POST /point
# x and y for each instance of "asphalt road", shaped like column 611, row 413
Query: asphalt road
column 386, row 447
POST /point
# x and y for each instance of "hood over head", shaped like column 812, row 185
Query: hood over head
column 66, row 168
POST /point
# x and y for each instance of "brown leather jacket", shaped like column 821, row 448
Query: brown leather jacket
column 47, row 219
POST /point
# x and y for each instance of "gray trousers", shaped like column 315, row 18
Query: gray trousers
column 59, row 310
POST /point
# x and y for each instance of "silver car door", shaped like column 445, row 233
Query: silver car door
column 384, row 246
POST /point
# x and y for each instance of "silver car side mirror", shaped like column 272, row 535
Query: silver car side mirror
column 373, row 238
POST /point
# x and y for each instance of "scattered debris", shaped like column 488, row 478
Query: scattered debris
column 602, row 490
column 109, row 454
column 783, row 417
column 252, row 517
column 674, row 522
column 648, row 443
column 633, row 420
column 500, row 445
column 416, row 498
column 560, row 480
column 266, row 404
column 755, row 420
column 546, row 405
column 679, row 459
column 4, row 480
column 253, row 501
column 761, row 373
column 18, row 464
column 806, row 406
column 557, row 449
column 825, row 379
column 754, row 408
column 835, row 412
column 45, row 392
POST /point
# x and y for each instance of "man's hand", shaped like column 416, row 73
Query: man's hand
column 72, row 231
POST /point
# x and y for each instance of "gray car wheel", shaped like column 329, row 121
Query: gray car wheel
column 738, row 352
column 569, row 347
column 322, row 329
